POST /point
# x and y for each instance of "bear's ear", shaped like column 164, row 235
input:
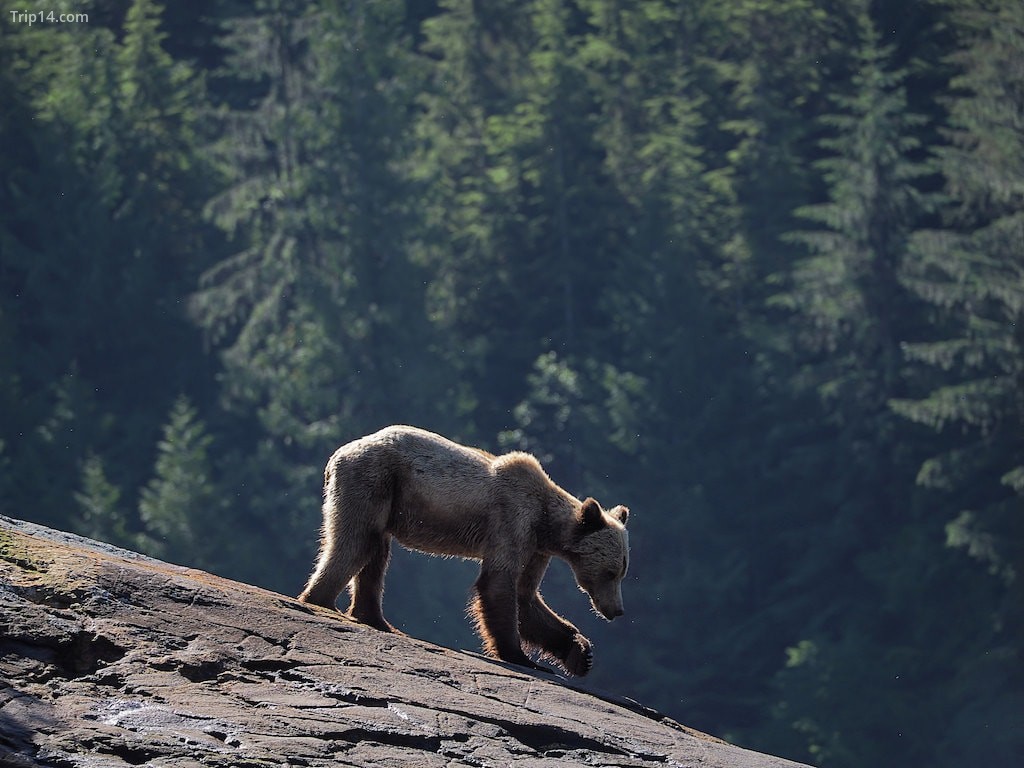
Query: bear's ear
column 591, row 517
column 620, row 513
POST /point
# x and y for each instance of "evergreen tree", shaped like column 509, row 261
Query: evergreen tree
column 969, row 271
column 767, row 69
column 319, row 315
column 847, row 292
column 94, row 303
column 867, row 531
column 672, row 349
column 179, row 507
column 972, row 374
column 102, row 515
column 519, row 227
column 47, row 116
column 469, row 61
column 319, row 208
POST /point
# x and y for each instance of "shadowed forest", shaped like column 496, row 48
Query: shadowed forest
column 754, row 269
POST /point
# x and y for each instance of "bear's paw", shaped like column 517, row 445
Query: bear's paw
column 580, row 657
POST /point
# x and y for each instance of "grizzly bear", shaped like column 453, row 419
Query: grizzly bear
column 439, row 497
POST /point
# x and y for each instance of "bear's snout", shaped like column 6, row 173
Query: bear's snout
column 609, row 612
column 612, row 613
column 607, row 601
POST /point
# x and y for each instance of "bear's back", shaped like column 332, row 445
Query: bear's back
column 445, row 499
column 440, row 470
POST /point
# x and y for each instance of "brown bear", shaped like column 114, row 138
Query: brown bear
column 443, row 498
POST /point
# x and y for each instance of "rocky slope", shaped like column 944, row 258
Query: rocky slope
column 109, row 658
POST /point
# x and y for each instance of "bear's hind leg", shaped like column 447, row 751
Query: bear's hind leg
column 544, row 629
column 344, row 554
column 329, row 578
column 495, row 610
column 368, row 587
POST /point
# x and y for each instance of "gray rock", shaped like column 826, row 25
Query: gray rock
column 109, row 658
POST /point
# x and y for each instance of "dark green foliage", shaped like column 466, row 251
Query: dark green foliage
column 181, row 483
column 751, row 268
column 971, row 364
column 101, row 241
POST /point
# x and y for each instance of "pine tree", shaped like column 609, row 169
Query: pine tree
column 94, row 303
column 179, row 507
column 102, row 514
column 519, row 217
column 971, row 369
column 57, row 174
column 318, row 317
column 308, row 312
column 767, row 69
column 970, row 271
column 468, row 202
column 260, row 150
column 679, row 382
column 850, row 313
column 847, row 293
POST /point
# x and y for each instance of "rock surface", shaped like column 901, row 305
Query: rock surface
column 109, row 658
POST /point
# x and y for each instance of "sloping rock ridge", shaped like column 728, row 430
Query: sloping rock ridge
column 109, row 658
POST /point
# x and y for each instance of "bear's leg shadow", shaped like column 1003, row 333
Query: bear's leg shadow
column 368, row 587
column 544, row 629
column 496, row 612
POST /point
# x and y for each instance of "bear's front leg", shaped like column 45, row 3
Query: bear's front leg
column 496, row 612
column 557, row 638
column 544, row 629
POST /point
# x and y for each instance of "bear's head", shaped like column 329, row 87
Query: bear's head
column 599, row 556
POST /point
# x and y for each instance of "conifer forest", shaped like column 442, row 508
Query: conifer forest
column 754, row 268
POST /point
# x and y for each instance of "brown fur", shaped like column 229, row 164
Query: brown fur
column 440, row 497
